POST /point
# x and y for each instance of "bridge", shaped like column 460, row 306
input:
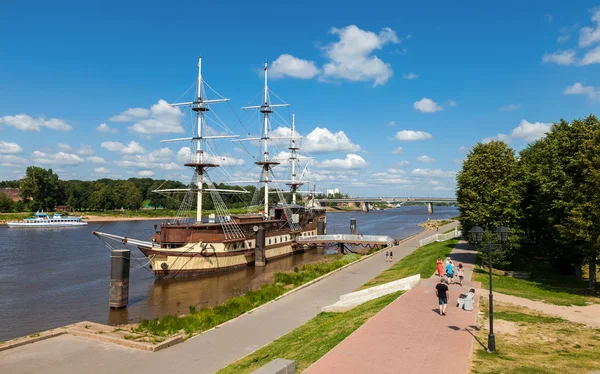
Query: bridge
column 343, row 239
column 390, row 200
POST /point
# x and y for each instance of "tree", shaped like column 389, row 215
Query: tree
column 102, row 198
column 41, row 186
column 488, row 190
column 6, row 204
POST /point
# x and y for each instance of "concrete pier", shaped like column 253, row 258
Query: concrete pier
column 259, row 249
column 120, row 261
column 352, row 226
column 320, row 228
column 430, row 208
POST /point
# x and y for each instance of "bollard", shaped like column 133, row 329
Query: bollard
column 259, row 248
column 352, row 226
column 320, row 228
column 119, row 278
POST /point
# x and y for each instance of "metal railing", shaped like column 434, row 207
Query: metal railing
column 440, row 237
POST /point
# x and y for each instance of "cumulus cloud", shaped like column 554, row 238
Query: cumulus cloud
column 101, row 170
column 352, row 161
column 403, row 163
column 132, row 148
column 531, row 131
column 321, row 140
column 145, row 173
column 463, row 148
column 288, row 65
column 185, row 155
column 85, row 149
column 426, row 105
column 432, row 173
column 590, row 35
column 509, row 108
column 96, row 160
column 12, row 161
column 410, row 76
column 10, row 147
column 579, row 89
column 425, row 159
column 351, row 57
column 560, row 57
column 24, row 122
column 397, row 151
column 160, row 118
column 59, row 158
column 410, row 135
column 392, row 123
column 64, row 147
column 103, row 127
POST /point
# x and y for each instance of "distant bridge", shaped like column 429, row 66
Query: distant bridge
column 390, row 200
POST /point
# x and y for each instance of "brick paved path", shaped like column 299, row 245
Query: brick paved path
column 409, row 335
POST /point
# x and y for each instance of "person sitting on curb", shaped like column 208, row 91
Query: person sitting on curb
column 442, row 291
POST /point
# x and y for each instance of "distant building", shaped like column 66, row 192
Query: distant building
column 63, row 208
column 12, row 193
column 333, row 191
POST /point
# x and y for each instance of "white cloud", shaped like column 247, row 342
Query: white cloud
column 101, row 170
column 24, row 122
column 96, row 160
column 410, row 76
column 500, row 137
column 442, row 188
column 588, row 35
column 426, row 105
column 531, row 131
column 579, row 89
column 509, row 108
column 432, row 173
column 12, row 161
column 434, row 183
column 395, row 171
column 392, row 123
column 410, row 135
column 403, row 163
column 352, row 161
column 145, row 173
column 563, row 38
column 103, row 127
column 397, row 151
column 351, row 59
column 560, row 57
column 64, row 147
column 85, row 149
column 130, row 115
column 60, row 158
column 321, row 140
column 549, row 18
column 425, row 159
column 132, row 148
column 591, row 57
column 288, row 65
column 10, row 147
column 185, row 155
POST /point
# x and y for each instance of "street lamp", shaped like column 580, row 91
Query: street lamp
column 477, row 235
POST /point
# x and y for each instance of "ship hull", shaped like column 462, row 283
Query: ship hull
column 14, row 225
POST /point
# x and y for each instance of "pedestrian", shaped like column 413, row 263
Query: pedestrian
column 440, row 269
column 387, row 256
column 441, row 290
column 391, row 256
column 450, row 271
column 437, row 227
column 461, row 273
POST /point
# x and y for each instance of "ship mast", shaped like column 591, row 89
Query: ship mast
column 294, row 159
column 199, row 163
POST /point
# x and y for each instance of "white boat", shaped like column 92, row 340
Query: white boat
column 42, row 219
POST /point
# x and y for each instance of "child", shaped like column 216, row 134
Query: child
column 461, row 273
column 387, row 256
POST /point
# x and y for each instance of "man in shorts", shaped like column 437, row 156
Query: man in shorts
column 441, row 290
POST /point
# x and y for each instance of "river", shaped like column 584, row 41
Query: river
column 54, row 277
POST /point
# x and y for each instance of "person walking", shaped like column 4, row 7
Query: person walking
column 450, row 271
column 391, row 256
column 387, row 256
column 437, row 227
column 461, row 273
column 440, row 269
column 442, row 291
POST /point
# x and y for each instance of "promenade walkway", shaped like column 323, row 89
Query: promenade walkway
column 409, row 335
column 208, row 352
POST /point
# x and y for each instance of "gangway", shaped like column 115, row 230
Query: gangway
column 344, row 239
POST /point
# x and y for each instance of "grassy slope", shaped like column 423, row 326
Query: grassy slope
column 311, row 341
column 542, row 344
column 422, row 261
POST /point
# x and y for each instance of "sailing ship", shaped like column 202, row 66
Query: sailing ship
column 227, row 241
column 42, row 220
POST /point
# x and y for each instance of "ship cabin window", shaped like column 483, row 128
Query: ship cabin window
column 234, row 245
column 269, row 241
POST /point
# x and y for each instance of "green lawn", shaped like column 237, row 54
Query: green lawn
column 311, row 341
column 531, row 342
column 421, row 261
column 207, row 318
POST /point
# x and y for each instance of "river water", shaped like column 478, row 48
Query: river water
column 54, row 277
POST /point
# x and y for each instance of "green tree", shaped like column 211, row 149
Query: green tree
column 6, row 204
column 41, row 186
column 102, row 198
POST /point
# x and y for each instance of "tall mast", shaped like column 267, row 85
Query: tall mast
column 200, row 106
column 294, row 159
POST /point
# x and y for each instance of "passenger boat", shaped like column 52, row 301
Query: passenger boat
column 42, row 219
column 227, row 241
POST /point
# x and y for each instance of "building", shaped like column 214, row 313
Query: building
column 333, row 191
column 63, row 208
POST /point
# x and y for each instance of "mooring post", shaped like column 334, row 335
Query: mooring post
column 320, row 228
column 120, row 261
column 259, row 248
column 352, row 226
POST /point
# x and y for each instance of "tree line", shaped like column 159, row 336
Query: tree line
column 548, row 194
column 42, row 189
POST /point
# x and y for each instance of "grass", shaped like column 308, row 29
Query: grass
column 421, row 261
column 311, row 341
column 206, row 318
column 537, row 344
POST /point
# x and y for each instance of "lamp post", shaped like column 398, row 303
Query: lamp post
column 477, row 234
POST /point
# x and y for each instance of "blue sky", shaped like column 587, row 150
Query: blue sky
column 479, row 71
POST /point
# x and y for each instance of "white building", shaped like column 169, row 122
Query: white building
column 333, row 191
